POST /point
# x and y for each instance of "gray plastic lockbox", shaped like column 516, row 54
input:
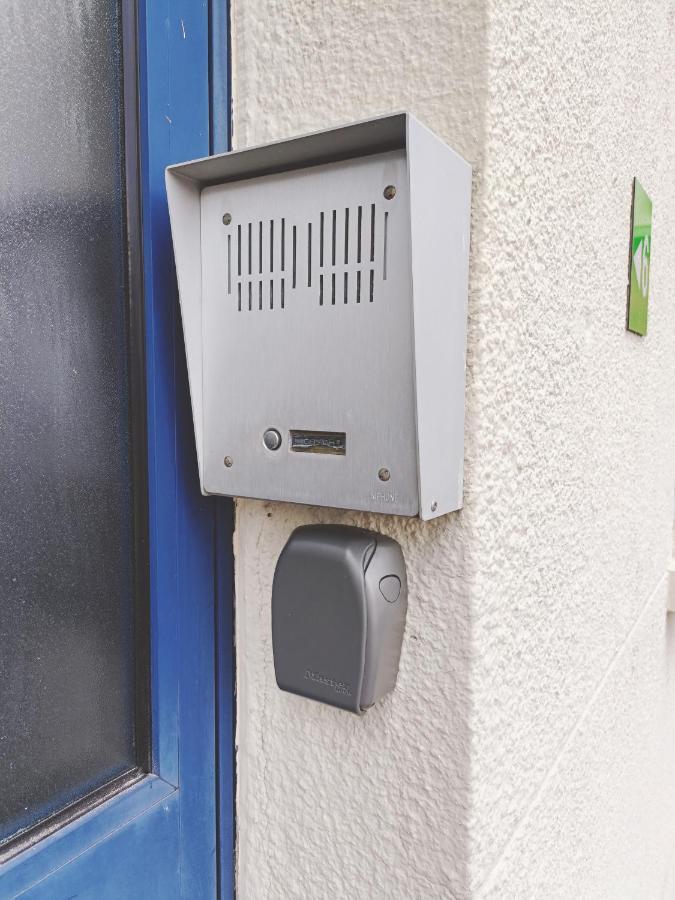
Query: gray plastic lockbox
column 339, row 604
column 323, row 287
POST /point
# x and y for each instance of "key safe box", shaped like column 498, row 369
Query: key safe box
column 339, row 603
column 323, row 291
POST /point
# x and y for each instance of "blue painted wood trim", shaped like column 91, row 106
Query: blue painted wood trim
column 34, row 865
column 137, row 875
column 177, row 110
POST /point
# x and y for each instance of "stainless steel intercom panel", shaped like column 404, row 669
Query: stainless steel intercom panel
column 323, row 286
column 310, row 281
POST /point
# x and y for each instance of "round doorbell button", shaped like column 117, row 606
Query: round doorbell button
column 272, row 439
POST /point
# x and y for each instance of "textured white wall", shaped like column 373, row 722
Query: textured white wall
column 529, row 748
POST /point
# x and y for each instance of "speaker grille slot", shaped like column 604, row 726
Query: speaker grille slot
column 352, row 243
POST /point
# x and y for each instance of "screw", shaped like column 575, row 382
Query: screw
column 228, row 462
column 384, row 474
column 227, row 218
column 389, row 192
column 434, row 506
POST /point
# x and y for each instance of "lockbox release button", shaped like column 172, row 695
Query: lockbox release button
column 390, row 588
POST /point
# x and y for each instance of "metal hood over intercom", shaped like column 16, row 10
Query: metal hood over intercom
column 323, row 290
column 339, row 605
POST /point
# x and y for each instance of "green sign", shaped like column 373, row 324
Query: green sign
column 640, row 254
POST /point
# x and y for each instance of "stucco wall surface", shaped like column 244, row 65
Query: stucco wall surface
column 525, row 752
column 601, row 824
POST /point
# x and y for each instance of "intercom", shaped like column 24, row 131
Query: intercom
column 323, row 289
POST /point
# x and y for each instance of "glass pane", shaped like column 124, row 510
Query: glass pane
column 67, row 658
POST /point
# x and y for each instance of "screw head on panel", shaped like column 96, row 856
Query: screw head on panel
column 389, row 192
column 384, row 474
column 227, row 462
column 227, row 218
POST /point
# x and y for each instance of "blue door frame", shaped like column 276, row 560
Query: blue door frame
column 171, row 833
